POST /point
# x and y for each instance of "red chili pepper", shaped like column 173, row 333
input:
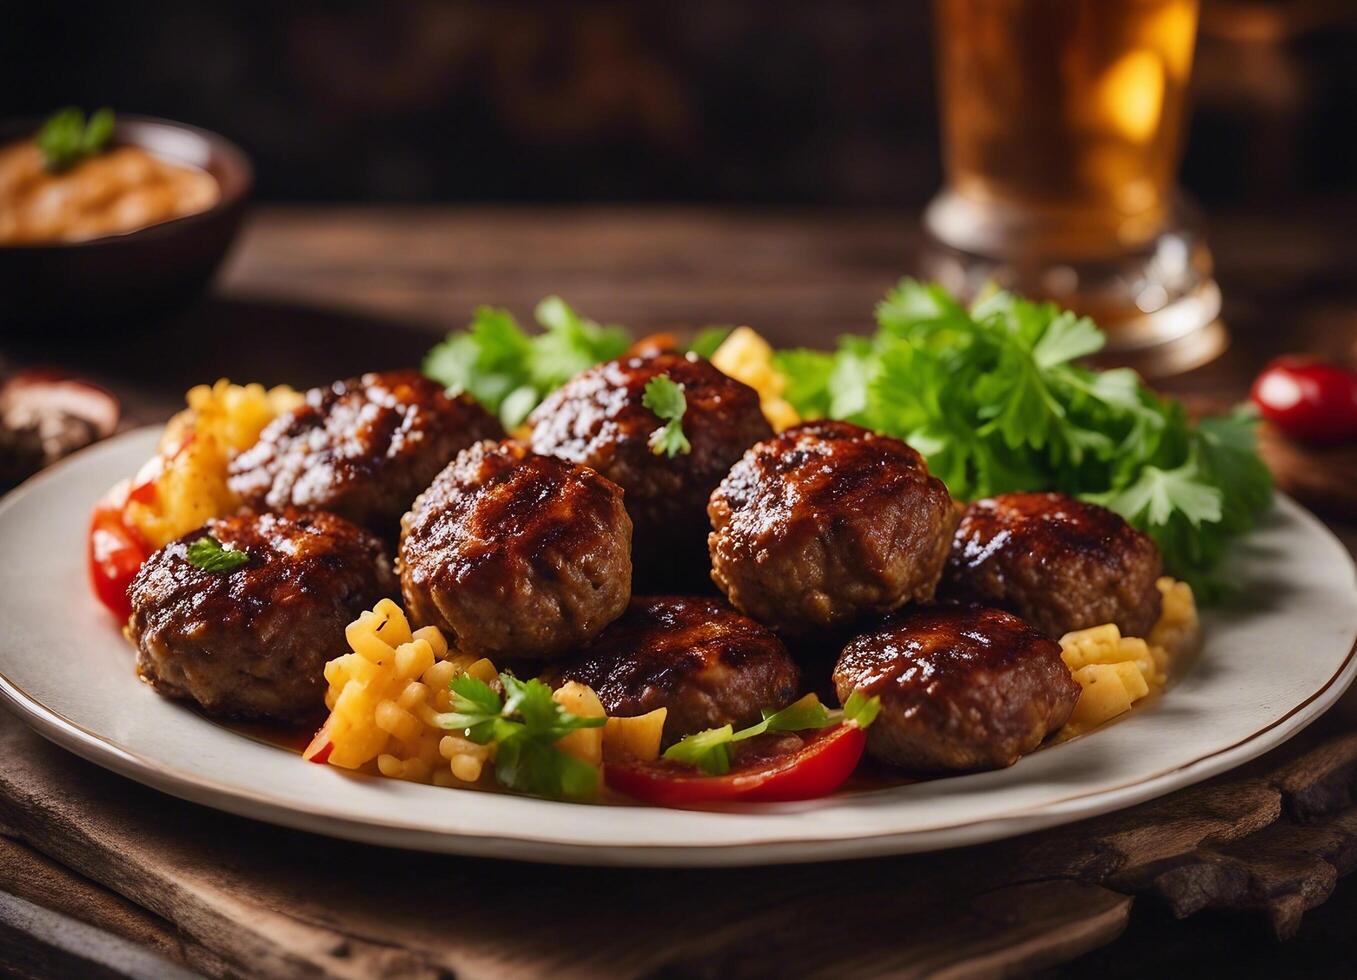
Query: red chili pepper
column 1308, row 399
column 818, row 768
column 115, row 552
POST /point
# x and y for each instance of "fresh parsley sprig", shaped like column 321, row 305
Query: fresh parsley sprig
column 66, row 137
column 524, row 725
column 208, row 554
column 996, row 399
column 510, row 371
column 664, row 396
column 709, row 751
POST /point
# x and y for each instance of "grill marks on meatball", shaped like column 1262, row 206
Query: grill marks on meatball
column 253, row 642
column 515, row 555
column 1059, row 563
column 362, row 448
column 960, row 688
column 598, row 419
column 826, row 522
column 697, row 657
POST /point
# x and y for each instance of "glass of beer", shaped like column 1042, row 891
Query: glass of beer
column 1062, row 126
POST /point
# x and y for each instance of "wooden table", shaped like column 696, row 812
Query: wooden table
column 99, row 876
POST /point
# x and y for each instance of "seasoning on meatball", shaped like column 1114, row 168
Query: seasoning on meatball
column 697, row 657
column 516, row 556
column 362, row 448
column 961, row 687
column 598, row 419
column 252, row 641
column 825, row 522
column 1059, row 563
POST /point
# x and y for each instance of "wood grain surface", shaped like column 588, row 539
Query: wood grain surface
column 316, row 293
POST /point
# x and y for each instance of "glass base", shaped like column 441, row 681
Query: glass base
column 1158, row 303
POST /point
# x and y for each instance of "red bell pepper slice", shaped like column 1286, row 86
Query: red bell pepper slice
column 820, row 766
column 115, row 551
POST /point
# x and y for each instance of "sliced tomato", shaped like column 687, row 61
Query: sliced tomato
column 817, row 768
column 1308, row 399
column 115, row 552
column 322, row 745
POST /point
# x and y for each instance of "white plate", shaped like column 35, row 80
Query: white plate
column 1271, row 665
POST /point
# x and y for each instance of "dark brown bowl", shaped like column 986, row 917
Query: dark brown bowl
column 74, row 284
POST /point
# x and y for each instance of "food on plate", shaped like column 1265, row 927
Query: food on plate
column 1059, row 563
column 70, row 184
column 1308, row 399
column 696, row 658
column 241, row 615
column 509, row 371
column 665, row 428
column 401, row 702
column 521, row 657
column 961, row 687
column 827, row 522
column 747, row 357
column 362, row 448
column 996, row 399
column 181, row 487
column 516, row 555
column 799, row 753
column 186, row 484
column 1115, row 671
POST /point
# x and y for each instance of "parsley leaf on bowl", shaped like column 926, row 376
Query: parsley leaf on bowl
column 66, row 137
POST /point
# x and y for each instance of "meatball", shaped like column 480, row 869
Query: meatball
column 961, row 687
column 362, row 448
column 598, row 419
column 706, row 663
column 1059, row 563
column 826, row 522
column 252, row 642
column 516, row 556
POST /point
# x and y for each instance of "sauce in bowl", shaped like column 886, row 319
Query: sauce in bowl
column 121, row 190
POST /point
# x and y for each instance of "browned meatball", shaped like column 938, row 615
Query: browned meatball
column 516, row 556
column 253, row 642
column 598, row 419
column 362, row 448
column 1059, row 563
column 826, row 522
column 699, row 658
column 961, row 687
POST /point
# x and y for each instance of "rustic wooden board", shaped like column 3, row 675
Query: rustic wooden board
column 224, row 895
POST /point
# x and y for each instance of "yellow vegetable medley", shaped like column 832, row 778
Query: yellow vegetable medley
column 184, row 485
column 1115, row 671
column 385, row 698
column 747, row 357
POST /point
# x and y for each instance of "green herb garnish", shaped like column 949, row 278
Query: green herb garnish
column 664, row 397
column 66, row 138
column 524, row 725
column 208, row 554
column 709, row 751
column 993, row 396
column 510, row 371
column 708, row 339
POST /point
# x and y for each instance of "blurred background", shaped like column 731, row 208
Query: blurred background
column 826, row 103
